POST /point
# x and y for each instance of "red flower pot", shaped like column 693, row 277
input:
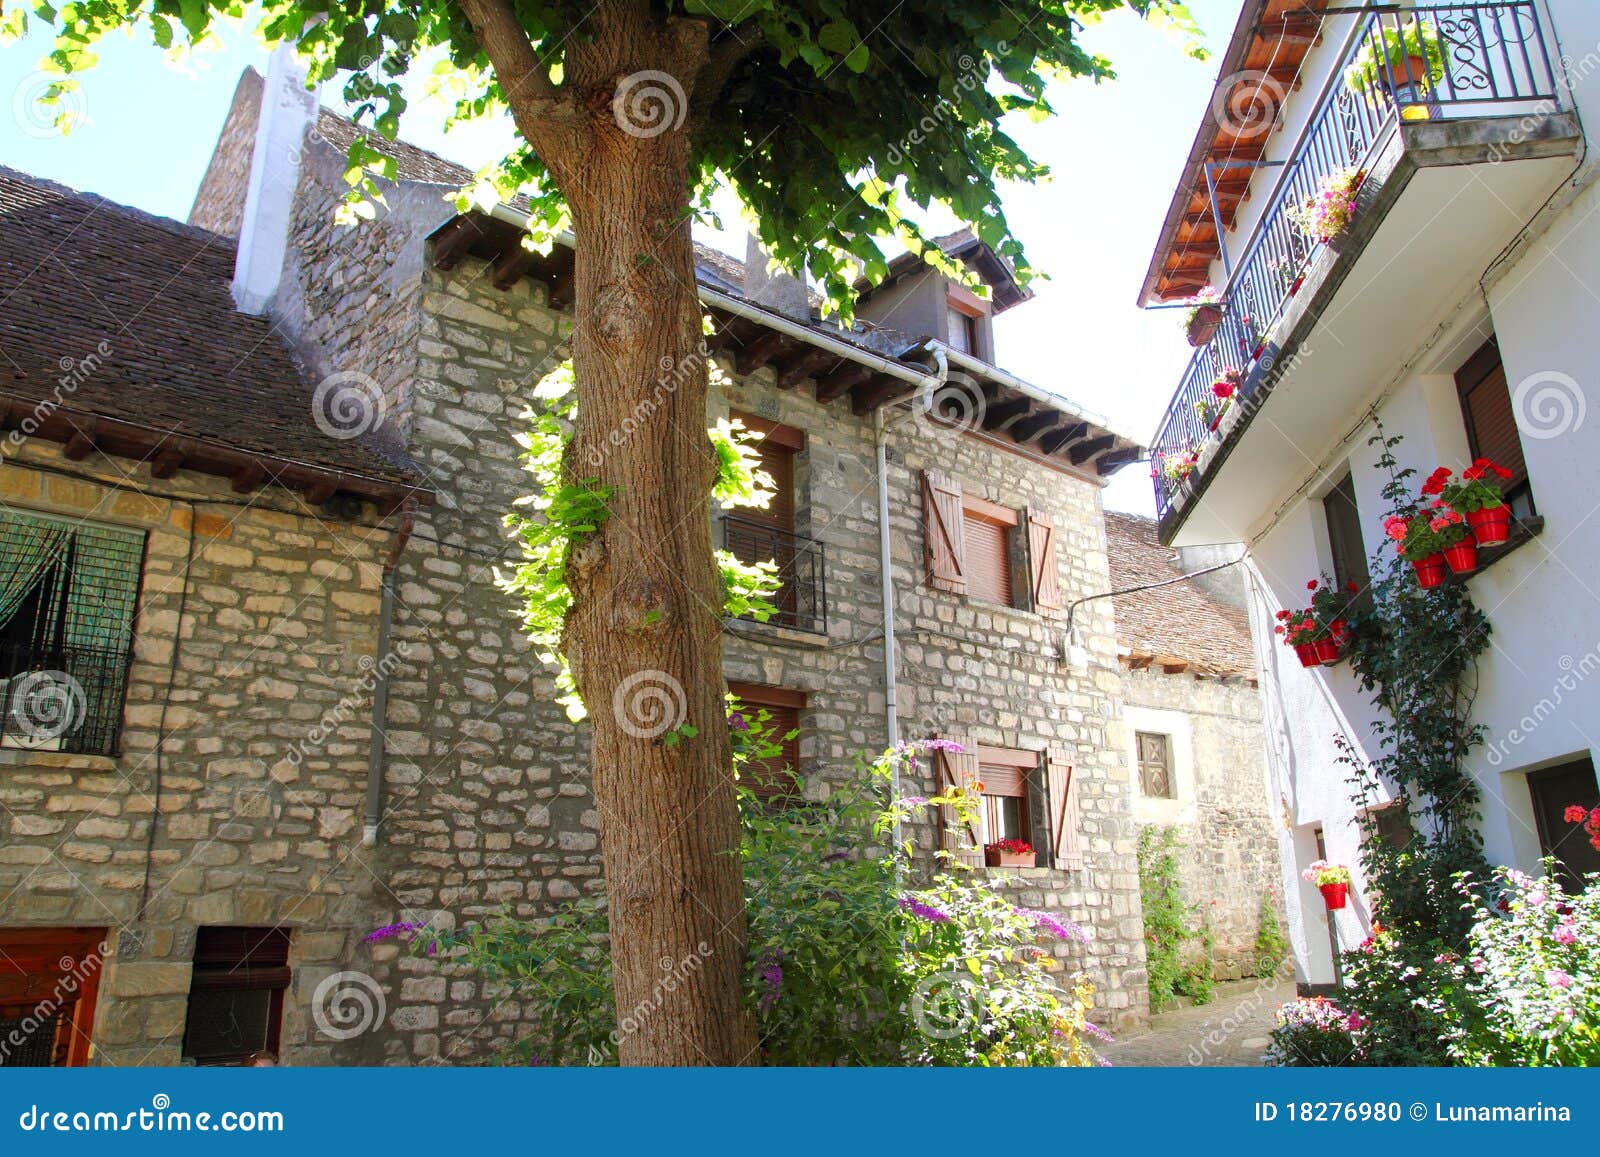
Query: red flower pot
column 1307, row 654
column 1327, row 651
column 1334, row 895
column 1294, row 286
column 995, row 858
column 1491, row 526
column 1463, row 556
column 1204, row 326
column 1431, row 571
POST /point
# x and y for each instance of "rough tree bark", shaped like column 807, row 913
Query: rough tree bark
column 643, row 634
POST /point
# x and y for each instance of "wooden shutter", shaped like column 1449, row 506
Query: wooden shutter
column 1491, row 421
column 776, row 451
column 778, row 777
column 1042, row 560
column 988, row 558
column 959, row 769
column 943, row 532
column 1066, row 837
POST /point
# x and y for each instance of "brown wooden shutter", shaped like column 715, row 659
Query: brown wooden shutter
column 943, row 532
column 987, row 558
column 776, row 451
column 958, row 769
column 777, row 777
column 1042, row 560
column 1491, row 420
column 1066, row 837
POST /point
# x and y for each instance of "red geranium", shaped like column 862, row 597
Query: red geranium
column 1437, row 480
column 1482, row 468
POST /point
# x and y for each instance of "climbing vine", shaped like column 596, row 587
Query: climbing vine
column 565, row 507
column 1415, row 651
column 1174, row 969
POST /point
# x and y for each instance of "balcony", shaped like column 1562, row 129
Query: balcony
column 802, row 599
column 1458, row 156
column 61, row 698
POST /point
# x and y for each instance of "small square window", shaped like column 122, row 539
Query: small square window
column 1155, row 765
column 236, row 995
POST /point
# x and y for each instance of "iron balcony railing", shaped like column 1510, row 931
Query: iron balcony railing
column 62, row 698
column 1476, row 55
column 802, row 600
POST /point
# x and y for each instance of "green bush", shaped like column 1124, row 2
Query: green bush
column 1271, row 945
column 849, row 962
column 1313, row 1032
column 1174, row 969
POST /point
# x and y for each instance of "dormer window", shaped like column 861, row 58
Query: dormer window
column 966, row 316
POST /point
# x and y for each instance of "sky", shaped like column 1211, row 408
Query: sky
column 148, row 126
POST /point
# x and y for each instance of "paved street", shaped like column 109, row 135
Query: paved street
column 1230, row 1031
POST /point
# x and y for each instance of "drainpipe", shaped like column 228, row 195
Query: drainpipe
column 891, row 683
column 380, row 686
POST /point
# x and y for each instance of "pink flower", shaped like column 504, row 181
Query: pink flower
column 1558, row 978
column 1566, row 934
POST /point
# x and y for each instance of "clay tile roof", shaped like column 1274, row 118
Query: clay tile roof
column 1182, row 622
column 77, row 271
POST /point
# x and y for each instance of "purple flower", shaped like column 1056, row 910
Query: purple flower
column 924, row 911
column 1097, row 1032
column 771, row 973
column 1060, row 929
column 914, row 800
column 738, row 722
column 401, row 931
column 940, row 745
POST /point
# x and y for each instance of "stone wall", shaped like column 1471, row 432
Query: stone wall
column 219, row 202
column 244, row 742
column 1228, row 853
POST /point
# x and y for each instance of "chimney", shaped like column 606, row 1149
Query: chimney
column 777, row 291
column 288, row 109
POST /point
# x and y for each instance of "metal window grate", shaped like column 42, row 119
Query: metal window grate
column 36, row 1032
column 68, row 596
column 802, row 600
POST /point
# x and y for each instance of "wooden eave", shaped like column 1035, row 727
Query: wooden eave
column 1026, row 423
column 168, row 452
column 1260, row 65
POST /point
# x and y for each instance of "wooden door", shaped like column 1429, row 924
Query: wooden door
column 49, row 978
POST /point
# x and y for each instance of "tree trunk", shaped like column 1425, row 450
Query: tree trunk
column 644, row 631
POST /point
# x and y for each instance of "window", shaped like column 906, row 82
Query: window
column 1492, row 423
column 68, row 592
column 965, row 314
column 973, row 547
column 1007, row 784
column 1155, row 765
column 236, row 995
column 963, row 331
column 777, row 778
column 1344, row 537
column 49, row 978
column 763, row 534
column 1393, row 827
column 1555, row 789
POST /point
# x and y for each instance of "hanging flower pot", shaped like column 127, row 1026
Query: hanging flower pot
column 1328, row 651
column 1307, row 654
column 1334, row 895
column 1491, row 525
column 1203, row 324
column 1332, row 880
column 1294, row 286
column 1463, row 556
column 1431, row 571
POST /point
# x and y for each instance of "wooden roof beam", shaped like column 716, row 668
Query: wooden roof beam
column 453, row 242
column 1056, row 439
column 997, row 414
column 837, row 383
column 1089, row 447
column 1027, row 428
column 759, row 352
column 793, row 371
column 509, row 267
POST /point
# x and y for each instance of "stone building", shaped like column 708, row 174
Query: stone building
column 1193, row 730
column 332, row 721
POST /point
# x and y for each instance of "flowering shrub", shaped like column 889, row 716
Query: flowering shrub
column 1324, row 215
column 1320, row 872
column 1527, row 991
column 848, row 961
column 1313, row 1032
column 1425, row 533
